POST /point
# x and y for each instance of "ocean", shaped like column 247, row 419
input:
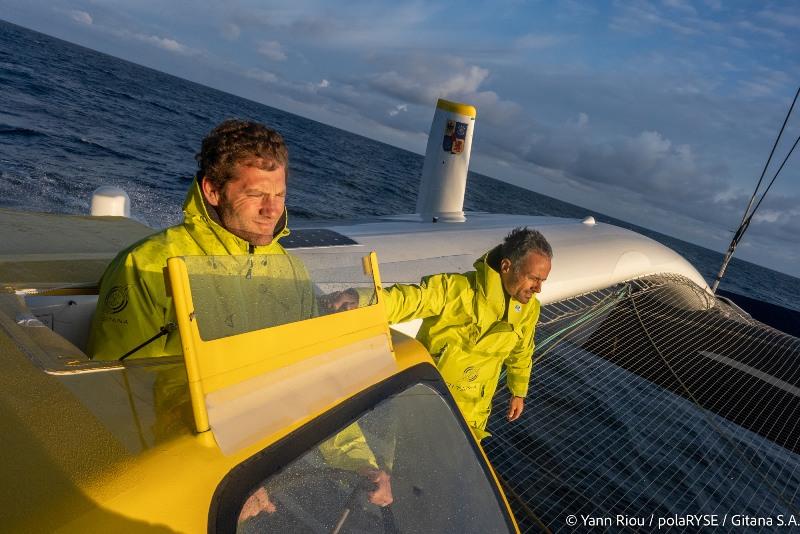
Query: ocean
column 73, row 119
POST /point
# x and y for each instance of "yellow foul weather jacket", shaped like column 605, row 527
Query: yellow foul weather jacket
column 232, row 295
column 133, row 304
column 472, row 329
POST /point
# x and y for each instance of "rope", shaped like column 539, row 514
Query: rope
column 748, row 215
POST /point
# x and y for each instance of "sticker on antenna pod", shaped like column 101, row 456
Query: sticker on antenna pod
column 454, row 135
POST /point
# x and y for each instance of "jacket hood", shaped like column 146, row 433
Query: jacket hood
column 196, row 214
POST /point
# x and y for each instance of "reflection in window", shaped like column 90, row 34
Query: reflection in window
column 436, row 483
column 237, row 294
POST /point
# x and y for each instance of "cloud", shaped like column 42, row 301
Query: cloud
column 272, row 50
column 755, row 89
column 769, row 216
column 539, row 41
column 639, row 18
column 423, row 82
column 647, row 165
column 761, row 30
column 356, row 26
column 81, row 17
column 681, row 5
column 783, row 18
column 323, row 84
column 767, row 82
column 231, row 31
column 165, row 43
column 397, row 109
column 261, row 75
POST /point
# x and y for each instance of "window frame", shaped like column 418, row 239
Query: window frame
column 236, row 486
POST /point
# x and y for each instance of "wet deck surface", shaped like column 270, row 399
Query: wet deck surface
column 47, row 250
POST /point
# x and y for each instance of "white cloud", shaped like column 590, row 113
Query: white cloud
column 261, row 75
column 638, row 19
column 680, row 5
column 81, row 17
column 272, row 50
column 767, row 216
column 648, row 165
column 791, row 20
column 761, row 30
column 397, row 109
column 165, row 43
column 730, row 195
column 464, row 82
column 754, row 89
column 323, row 84
column 424, row 81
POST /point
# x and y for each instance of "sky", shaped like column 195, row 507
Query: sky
column 659, row 112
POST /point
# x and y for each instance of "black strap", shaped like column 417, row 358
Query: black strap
column 163, row 331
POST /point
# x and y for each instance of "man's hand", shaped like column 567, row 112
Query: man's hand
column 382, row 496
column 338, row 301
column 515, row 407
column 255, row 504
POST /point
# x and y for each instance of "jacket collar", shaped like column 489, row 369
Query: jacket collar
column 199, row 217
column 491, row 292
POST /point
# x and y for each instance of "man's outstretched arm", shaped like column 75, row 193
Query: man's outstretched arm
column 404, row 302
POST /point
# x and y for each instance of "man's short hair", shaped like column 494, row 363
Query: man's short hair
column 238, row 142
column 522, row 240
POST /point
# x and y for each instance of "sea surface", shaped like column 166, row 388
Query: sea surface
column 72, row 119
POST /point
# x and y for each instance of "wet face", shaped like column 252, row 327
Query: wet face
column 251, row 203
column 527, row 278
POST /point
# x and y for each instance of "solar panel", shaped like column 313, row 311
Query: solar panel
column 316, row 237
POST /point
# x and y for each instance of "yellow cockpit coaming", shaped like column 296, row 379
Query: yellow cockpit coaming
column 113, row 445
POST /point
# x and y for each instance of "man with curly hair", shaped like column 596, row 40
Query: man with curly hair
column 235, row 206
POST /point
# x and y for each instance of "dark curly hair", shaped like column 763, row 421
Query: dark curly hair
column 238, row 142
column 522, row 240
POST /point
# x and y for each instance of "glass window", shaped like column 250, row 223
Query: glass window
column 237, row 294
column 407, row 465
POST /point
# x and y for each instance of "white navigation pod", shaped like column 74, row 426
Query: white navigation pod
column 110, row 200
column 444, row 173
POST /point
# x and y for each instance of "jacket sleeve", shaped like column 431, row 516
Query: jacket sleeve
column 519, row 361
column 405, row 302
column 348, row 450
column 131, row 308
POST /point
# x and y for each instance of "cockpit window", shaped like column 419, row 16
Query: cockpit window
column 237, row 294
column 405, row 466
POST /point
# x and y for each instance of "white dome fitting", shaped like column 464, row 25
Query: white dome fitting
column 110, row 200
